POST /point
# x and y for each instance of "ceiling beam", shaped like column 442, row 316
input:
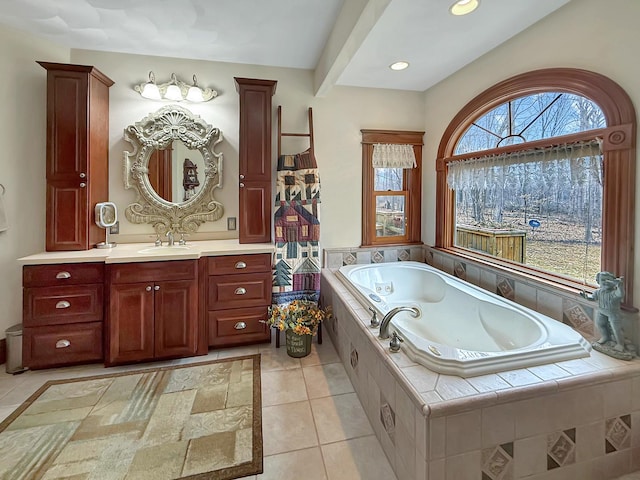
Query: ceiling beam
column 354, row 23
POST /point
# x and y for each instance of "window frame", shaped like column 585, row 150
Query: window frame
column 412, row 185
column 619, row 160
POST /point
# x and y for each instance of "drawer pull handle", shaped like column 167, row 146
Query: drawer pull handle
column 63, row 304
column 63, row 344
column 240, row 326
column 240, row 291
column 240, row 265
column 62, row 275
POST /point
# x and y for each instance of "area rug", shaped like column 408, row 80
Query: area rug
column 198, row 421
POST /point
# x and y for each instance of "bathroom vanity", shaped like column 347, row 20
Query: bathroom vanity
column 137, row 302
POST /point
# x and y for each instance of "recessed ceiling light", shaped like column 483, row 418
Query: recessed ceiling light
column 463, row 7
column 399, row 65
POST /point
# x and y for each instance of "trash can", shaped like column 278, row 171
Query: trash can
column 14, row 349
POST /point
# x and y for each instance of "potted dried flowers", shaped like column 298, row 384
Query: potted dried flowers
column 300, row 320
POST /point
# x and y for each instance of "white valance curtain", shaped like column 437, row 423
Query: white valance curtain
column 580, row 161
column 393, row 155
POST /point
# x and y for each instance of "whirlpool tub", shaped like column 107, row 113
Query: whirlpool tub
column 462, row 329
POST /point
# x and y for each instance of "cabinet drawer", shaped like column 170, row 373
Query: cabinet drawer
column 62, row 305
column 242, row 325
column 153, row 271
column 236, row 291
column 230, row 264
column 62, row 274
column 62, row 345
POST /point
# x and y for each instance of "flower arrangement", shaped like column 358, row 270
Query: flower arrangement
column 301, row 316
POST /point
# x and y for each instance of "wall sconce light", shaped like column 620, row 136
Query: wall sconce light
column 174, row 90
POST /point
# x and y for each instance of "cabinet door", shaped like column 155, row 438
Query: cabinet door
column 255, row 159
column 77, row 154
column 130, row 323
column 176, row 318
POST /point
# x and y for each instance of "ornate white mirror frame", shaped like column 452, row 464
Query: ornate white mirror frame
column 156, row 132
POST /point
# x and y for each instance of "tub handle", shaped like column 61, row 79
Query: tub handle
column 394, row 344
column 375, row 321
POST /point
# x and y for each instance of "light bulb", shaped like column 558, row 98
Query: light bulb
column 463, row 7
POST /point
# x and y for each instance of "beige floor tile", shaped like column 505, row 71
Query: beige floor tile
column 326, row 380
column 339, row 418
column 357, row 459
column 302, row 464
column 283, row 386
column 288, row 427
column 277, row 359
column 321, row 354
column 238, row 351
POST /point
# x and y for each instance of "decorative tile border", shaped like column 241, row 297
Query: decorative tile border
column 580, row 317
column 337, row 257
column 617, row 434
column 388, row 418
column 505, row 287
column 561, row 448
column 497, row 462
column 460, row 270
column 354, row 358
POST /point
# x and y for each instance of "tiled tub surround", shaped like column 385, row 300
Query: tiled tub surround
column 572, row 419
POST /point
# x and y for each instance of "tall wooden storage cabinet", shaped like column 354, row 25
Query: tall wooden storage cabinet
column 255, row 159
column 77, row 154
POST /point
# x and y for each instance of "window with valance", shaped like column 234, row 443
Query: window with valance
column 537, row 174
column 391, row 187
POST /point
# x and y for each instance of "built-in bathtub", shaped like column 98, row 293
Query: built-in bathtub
column 462, row 329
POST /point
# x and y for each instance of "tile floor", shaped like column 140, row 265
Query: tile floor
column 314, row 426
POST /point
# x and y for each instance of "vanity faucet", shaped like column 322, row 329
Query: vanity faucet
column 170, row 238
column 386, row 320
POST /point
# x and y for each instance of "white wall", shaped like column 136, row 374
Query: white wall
column 590, row 34
column 338, row 118
column 22, row 159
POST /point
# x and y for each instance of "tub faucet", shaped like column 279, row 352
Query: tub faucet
column 386, row 320
column 170, row 238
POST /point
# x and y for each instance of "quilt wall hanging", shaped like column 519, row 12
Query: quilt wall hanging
column 297, row 229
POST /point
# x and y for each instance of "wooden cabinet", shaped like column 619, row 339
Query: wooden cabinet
column 238, row 297
column 255, row 159
column 62, row 314
column 153, row 311
column 77, row 172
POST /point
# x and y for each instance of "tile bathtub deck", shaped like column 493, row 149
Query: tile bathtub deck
column 314, row 426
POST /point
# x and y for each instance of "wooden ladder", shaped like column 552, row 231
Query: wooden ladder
column 285, row 134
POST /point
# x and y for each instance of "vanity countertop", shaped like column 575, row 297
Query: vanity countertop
column 146, row 252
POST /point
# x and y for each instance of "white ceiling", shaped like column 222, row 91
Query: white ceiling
column 369, row 34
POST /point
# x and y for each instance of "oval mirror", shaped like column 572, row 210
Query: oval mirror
column 174, row 170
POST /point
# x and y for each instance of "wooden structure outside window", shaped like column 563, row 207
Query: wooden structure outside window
column 391, row 196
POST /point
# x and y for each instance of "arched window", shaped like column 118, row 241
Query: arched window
column 537, row 175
